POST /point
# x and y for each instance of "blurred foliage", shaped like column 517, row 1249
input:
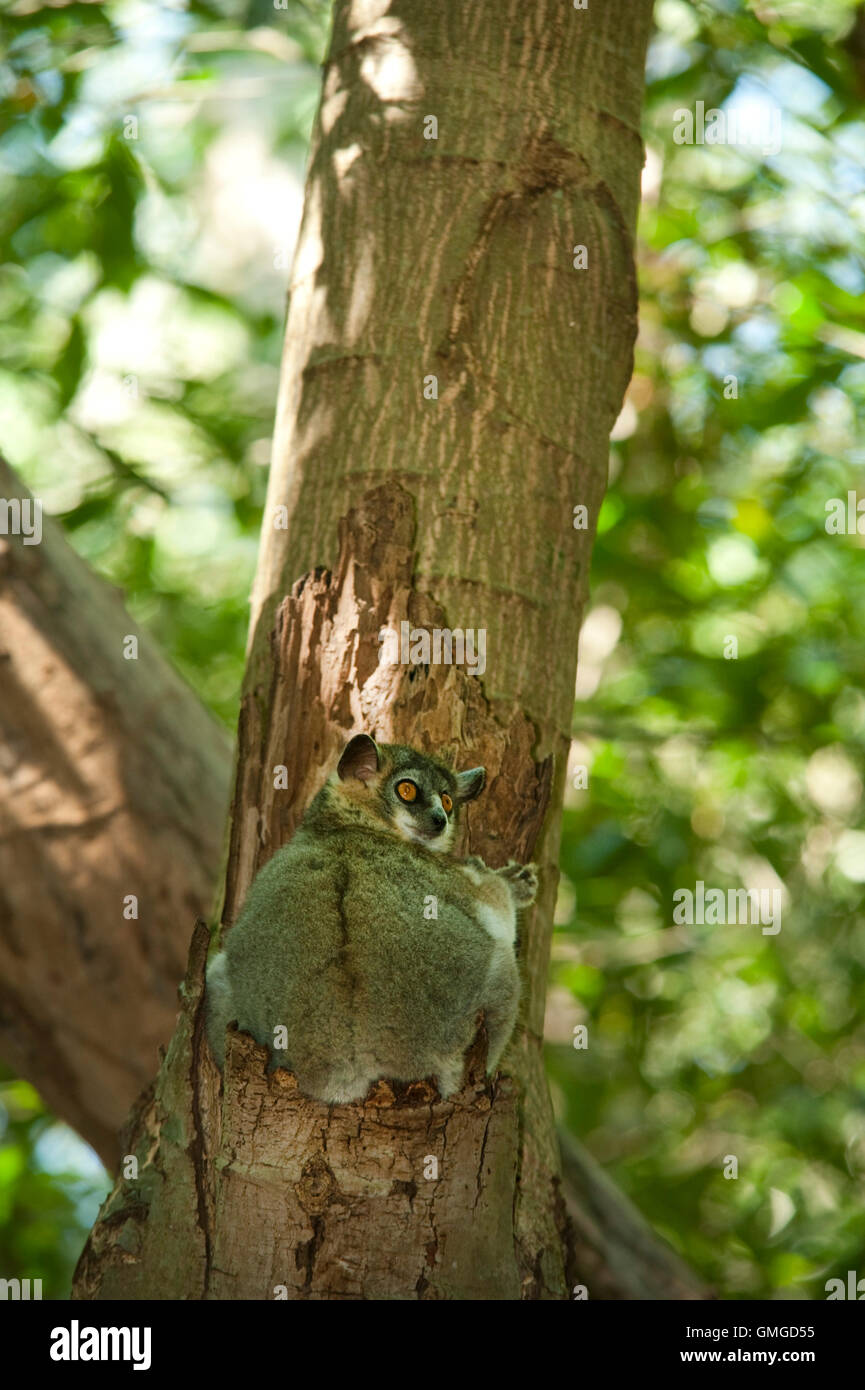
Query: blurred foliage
column 151, row 181
column 50, row 1191
column 150, row 189
column 744, row 417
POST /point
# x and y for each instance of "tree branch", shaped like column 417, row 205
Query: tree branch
column 113, row 782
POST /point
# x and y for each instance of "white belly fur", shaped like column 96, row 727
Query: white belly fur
column 499, row 921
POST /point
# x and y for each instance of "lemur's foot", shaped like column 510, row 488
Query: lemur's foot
column 523, row 880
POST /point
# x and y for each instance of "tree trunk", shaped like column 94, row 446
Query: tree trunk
column 445, row 503
column 113, row 782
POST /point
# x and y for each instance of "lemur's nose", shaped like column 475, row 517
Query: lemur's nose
column 439, row 819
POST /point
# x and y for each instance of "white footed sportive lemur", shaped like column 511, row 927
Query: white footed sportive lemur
column 367, row 941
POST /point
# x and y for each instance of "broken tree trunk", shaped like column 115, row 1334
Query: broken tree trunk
column 253, row 1191
column 459, row 340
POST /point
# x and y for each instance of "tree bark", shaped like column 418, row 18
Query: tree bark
column 614, row 1251
column 113, row 781
column 450, row 259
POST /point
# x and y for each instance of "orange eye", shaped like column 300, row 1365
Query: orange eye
column 447, row 803
column 406, row 791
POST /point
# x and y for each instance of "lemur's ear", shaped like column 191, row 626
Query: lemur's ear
column 470, row 784
column 360, row 759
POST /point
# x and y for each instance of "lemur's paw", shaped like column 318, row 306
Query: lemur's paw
column 473, row 862
column 523, row 880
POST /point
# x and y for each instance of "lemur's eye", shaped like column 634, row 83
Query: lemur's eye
column 406, row 791
column 447, row 803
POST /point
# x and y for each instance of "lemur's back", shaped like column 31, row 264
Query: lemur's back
column 343, row 957
column 364, row 949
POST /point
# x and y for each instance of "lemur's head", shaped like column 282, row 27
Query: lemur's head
column 414, row 795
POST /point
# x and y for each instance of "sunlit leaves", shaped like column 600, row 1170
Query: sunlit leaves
column 709, row 763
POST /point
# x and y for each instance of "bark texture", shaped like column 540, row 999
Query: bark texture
column 113, row 781
column 449, row 383
column 251, row 1190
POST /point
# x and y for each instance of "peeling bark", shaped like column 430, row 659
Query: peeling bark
column 251, row 1190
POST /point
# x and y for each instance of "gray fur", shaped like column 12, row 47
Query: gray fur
column 332, row 942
